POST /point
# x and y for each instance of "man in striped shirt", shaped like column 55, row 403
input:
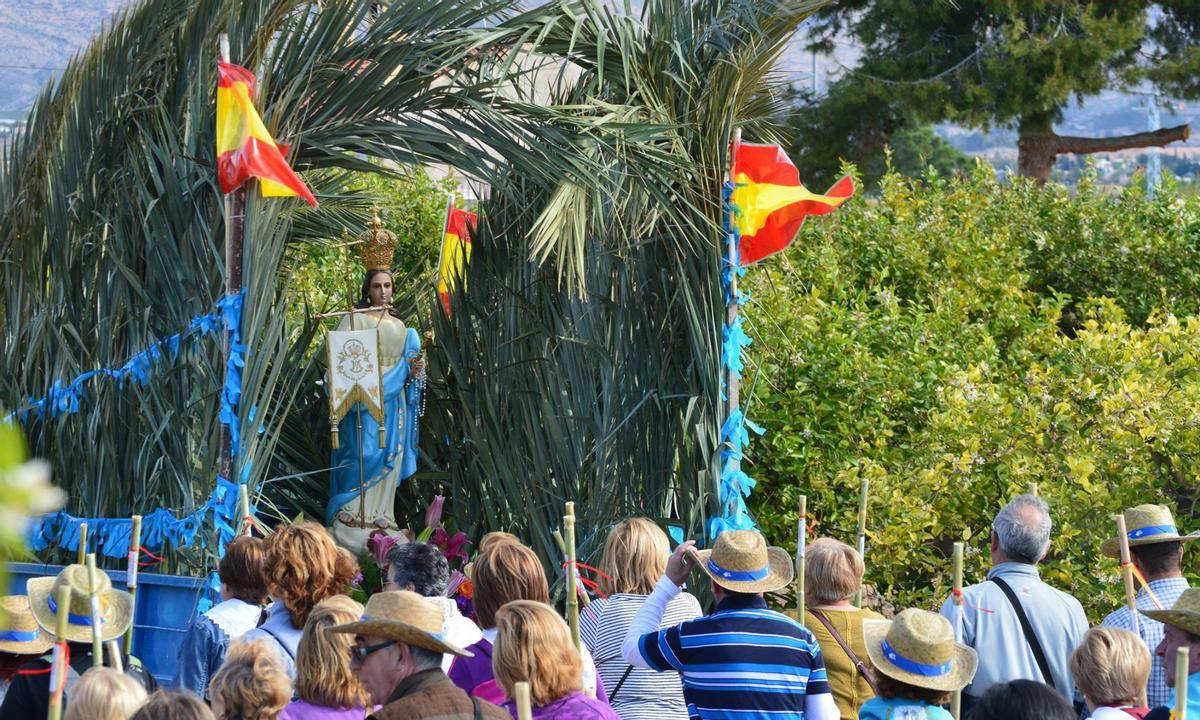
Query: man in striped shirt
column 1156, row 551
column 743, row 662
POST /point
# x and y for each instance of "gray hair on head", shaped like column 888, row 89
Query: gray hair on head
column 425, row 659
column 1022, row 529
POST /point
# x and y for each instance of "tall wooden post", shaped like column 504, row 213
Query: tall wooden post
column 94, row 608
column 801, row 544
column 956, row 593
column 732, row 381
column 81, row 553
column 862, row 532
column 58, row 672
column 235, row 230
column 131, row 573
column 572, row 587
column 1135, row 621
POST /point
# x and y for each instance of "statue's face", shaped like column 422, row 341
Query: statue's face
column 380, row 290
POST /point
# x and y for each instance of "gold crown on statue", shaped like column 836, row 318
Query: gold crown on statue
column 376, row 245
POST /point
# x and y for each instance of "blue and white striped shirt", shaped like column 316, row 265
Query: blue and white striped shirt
column 743, row 662
column 1168, row 591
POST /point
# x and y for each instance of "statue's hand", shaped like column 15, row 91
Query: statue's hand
column 416, row 366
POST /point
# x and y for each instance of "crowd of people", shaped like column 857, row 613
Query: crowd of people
column 1015, row 647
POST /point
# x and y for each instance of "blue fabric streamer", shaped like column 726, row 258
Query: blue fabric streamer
column 734, row 485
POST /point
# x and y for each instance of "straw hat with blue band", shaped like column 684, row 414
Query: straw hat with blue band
column 19, row 631
column 741, row 561
column 1147, row 525
column 115, row 607
column 404, row 616
column 918, row 648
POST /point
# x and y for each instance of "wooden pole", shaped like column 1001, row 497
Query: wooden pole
column 235, row 231
column 801, row 544
column 131, row 578
column 81, row 553
column 956, row 593
column 114, row 656
column 572, row 586
column 524, row 707
column 244, row 506
column 94, row 606
column 732, row 381
column 1135, row 621
column 1181, row 682
column 58, row 673
column 862, row 532
column 1033, row 489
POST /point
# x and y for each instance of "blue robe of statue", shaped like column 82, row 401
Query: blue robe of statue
column 384, row 468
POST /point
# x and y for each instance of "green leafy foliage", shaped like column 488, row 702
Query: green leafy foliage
column 930, row 341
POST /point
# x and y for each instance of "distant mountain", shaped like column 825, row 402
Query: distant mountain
column 39, row 37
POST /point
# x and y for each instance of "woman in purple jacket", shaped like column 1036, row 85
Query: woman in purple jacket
column 533, row 645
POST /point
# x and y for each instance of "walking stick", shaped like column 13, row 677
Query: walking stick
column 572, row 586
column 58, row 665
column 81, row 553
column 244, row 506
column 801, row 543
column 131, row 578
column 1130, row 589
column 524, row 708
column 862, row 533
column 94, row 606
column 1181, row 683
column 956, row 594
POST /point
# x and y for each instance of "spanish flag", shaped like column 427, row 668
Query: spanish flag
column 456, row 251
column 244, row 147
column 772, row 203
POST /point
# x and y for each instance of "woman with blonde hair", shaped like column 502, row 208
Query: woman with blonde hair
column 634, row 558
column 103, row 693
column 833, row 573
column 325, row 686
column 251, row 685
column 1111, row 667
column 506, row 571
column 303, row 566
column 533, row 645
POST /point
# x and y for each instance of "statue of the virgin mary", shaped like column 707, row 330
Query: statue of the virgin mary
column 383, row 466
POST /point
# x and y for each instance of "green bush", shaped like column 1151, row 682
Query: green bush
column 956, row 340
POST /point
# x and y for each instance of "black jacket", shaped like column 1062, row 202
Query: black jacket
column 28, row 697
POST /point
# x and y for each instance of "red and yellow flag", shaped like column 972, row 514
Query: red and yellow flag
column 244, row 147
column 772, row 202
column 456, row 251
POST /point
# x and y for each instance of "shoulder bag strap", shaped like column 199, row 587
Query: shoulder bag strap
column 858, row 664
column 1038, row 654
column 279, row 641
column 617, row 689
column 475, row 707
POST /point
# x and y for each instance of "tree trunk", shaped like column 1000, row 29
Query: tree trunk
column 1038, row 145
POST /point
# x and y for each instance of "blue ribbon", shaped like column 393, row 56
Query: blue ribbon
column 19, row 636
column 72, row 617
column 913, row 666
column 1152, row 530
column 738, row 575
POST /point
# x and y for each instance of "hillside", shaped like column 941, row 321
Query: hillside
column 39, row 37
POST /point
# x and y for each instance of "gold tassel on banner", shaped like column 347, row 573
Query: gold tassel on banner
column 333, row 431
column 382, row 435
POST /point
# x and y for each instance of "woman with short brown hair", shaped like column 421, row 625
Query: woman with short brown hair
column 251, row 685
column 533, row 645
column 303, row 566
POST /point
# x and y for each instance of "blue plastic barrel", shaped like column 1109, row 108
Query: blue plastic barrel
column 166, row 605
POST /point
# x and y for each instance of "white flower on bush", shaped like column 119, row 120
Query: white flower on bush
column 25, row 491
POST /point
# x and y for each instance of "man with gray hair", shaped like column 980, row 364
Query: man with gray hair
column 1020, row 627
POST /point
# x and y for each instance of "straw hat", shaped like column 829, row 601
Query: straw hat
column 404, row 616
column 19, row 632
column 116, row 606
column 1147, row 525
column 918, row 648
column 741, row 561
column 1184, row 614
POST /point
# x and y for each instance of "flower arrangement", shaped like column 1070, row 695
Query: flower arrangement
column 374, row 563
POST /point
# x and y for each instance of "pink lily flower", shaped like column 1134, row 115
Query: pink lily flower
column 433, row 515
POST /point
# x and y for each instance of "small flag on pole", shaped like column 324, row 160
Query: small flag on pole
column 244, row 147
column 772, row 203
column 456, row 251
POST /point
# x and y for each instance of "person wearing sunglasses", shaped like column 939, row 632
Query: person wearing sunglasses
column 397, row 655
